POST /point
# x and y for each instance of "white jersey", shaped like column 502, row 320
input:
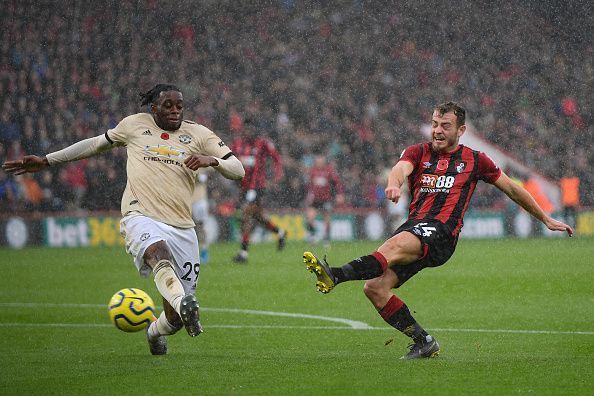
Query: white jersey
column 159, row 185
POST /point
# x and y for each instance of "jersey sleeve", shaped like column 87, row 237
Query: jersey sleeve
column 412, row 154
column 118, row 135
column 213, row 145
column 488, row 171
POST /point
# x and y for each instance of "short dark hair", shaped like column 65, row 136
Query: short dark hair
column 151, row 95
column 454, row 107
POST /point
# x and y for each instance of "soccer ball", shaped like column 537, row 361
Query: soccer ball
column 131, row 310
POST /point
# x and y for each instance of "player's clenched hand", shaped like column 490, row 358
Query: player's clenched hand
column 200, row 161
column 555, row 225
column 28, row 164
column 393, row 193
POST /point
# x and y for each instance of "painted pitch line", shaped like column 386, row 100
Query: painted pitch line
column 350, row 324
column 282, row 327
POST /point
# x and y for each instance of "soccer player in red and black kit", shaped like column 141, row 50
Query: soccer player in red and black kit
column 442, row 175
column 323, row 189
column 253, row 152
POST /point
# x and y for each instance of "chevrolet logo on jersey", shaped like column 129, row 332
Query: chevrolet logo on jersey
column 164, row 152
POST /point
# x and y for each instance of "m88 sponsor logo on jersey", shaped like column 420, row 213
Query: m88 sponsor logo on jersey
column 434, row 183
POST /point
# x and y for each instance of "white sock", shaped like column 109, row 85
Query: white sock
column 168, row 284
column 161, row 327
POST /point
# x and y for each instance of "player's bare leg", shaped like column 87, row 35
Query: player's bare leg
column 246, row 227
column 259, row 216
column 402, row 249
column 310, row 215
column 326, row 235
column 159, row 258
column 202, row 241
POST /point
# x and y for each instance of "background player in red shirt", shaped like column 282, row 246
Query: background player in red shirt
column 442, row 175
column 253, row 152
column 323, row 189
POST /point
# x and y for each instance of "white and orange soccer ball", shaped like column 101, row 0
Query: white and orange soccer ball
column 131, row 310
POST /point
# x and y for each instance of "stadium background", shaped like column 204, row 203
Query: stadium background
column 355, row 80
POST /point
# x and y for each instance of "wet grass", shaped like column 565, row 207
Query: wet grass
column 511, row 316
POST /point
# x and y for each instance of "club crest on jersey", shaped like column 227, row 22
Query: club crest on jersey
column 442, row 164
column 460, row 166
column 185, row 139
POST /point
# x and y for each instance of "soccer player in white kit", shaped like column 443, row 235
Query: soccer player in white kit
column 164, row 153
column 200, row 213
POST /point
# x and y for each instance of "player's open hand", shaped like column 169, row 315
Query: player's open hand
column 393, row 193
column 28, row 164
column 200, row 161
column 555, row 225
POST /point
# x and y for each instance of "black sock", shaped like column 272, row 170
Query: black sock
column 397, row 315
column 364, row 267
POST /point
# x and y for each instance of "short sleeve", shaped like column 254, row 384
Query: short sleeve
column 412, row 154
column 487, row 169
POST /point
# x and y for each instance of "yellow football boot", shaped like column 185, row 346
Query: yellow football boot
column 321, row 269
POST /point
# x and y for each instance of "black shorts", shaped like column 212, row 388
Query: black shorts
column 437, row 242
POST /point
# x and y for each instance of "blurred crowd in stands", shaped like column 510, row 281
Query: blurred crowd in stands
column 353, row 80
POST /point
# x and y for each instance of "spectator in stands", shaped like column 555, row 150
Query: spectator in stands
column 347, row 77
column 9, row 194
column 570, row 196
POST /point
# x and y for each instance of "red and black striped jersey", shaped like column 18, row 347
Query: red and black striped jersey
column 323, row 181
column 442, row 184
column 253, row 154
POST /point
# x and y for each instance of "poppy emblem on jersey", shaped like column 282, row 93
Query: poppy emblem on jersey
column 165, row 136
column 442, row 164
column 460, row 166
column 185, row 139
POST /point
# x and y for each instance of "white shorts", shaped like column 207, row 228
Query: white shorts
column 140, row 232
column 200, row 210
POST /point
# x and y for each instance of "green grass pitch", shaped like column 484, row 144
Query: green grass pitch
column 511, row 316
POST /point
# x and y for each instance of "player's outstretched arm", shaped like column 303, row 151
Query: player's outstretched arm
column 77, row 151
column 28, row 164
column 523, row 198
column 396, row 179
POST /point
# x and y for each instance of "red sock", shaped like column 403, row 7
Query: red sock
column 392, row 306
column 382, row 260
